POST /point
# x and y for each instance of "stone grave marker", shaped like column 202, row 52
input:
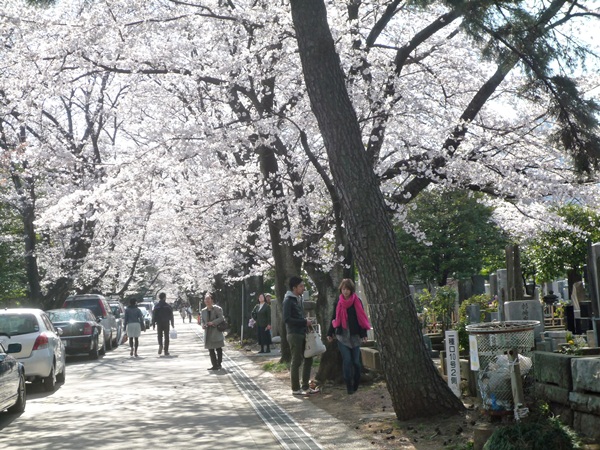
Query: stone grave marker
column 502, row 291
column 526, row 310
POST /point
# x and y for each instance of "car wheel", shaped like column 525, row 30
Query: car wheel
column 60, row 378
column 109, row 343
column 19, row 406
column 115, row 342
column 50, row 381
column 95, row 351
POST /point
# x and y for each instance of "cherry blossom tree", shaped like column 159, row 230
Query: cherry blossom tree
column 233, row 141
column 523, row 40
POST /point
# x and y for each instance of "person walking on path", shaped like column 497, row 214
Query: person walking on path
column 134, row 324
column 162, row 316
column 262, row 315
column 296, row 326
column 211, row 316
column 349, row 325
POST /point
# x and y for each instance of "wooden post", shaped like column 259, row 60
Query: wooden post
column 515, row 378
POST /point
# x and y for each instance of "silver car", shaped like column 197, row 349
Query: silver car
column 42, row 351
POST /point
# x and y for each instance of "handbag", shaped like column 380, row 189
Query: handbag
column 314, row 345
column 223, row 326
column 173, row 333
column 251, row 322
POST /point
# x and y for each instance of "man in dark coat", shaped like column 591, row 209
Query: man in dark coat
column 296, row 326
column 162, row 316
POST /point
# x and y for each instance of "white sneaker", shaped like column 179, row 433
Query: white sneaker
column 311, row 391
column 299, row 392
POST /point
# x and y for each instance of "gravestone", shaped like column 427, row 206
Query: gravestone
column 556, row 338
column 526, row 310
column 502, row 291
column 578, row 296
column 593, row 276
column 514, row 276
column 465, row 289
column 493, row 284
column 562, row 288
column 478, row 284
column 473, row 314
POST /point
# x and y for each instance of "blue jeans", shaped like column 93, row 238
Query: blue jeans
column 350, row 366
column 296, row 343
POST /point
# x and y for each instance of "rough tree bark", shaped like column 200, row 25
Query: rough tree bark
column 415, row 386
column 286, row 263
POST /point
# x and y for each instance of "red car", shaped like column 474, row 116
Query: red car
column 81, row 332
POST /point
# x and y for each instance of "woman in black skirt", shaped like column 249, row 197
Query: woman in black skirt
column 262, row 315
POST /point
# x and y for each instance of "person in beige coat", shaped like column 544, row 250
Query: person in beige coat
column 211, row 316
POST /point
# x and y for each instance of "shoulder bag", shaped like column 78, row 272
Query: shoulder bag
column 314, row 345
column 223, row 326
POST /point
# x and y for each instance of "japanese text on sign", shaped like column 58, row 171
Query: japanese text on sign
column 452, row 361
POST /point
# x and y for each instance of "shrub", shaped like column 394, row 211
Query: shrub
column 438, row 306
column 534, row 434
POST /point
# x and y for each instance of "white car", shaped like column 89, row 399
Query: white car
column 147, row 317
column 42, row 351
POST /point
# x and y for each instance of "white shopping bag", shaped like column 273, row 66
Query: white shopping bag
column 173, row 333
column 314, row 345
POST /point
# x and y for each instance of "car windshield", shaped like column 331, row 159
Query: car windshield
column 89, row 303
column 67, row 315
column 15, row 324
column 143, row 310
column 115, row 309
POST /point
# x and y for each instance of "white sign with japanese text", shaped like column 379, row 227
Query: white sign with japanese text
column 452, row 362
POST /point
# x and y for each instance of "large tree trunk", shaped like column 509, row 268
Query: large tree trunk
column 415, row 386
column 286, row 263
column 28, row 217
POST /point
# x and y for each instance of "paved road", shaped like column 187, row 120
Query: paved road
column 121, row 402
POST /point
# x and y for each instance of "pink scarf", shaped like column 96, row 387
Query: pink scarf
column 341, row 313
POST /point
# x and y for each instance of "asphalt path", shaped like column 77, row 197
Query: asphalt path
column 169, row 402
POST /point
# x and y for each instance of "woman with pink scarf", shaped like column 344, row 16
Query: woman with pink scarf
column 349, row 326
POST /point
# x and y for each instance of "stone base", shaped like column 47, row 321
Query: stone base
column 371, row 358
column 587, row 424
column 563, row 413
column 585, row 375
column 553, row 368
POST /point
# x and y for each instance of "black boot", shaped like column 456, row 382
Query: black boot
column 213, row 360
column 268, row 350
column 262, row 349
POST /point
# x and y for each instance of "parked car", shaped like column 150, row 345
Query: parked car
column 42, row 350
column 119, row 312
column 148, row 305
column 12, row 378
column 99, row 306
column 81, row 332
column 147, row 317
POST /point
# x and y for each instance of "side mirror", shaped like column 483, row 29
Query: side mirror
column 99, row 319
column 14, row 348
column 59, row 331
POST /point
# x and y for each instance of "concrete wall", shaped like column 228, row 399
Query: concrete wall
column 571, row 386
